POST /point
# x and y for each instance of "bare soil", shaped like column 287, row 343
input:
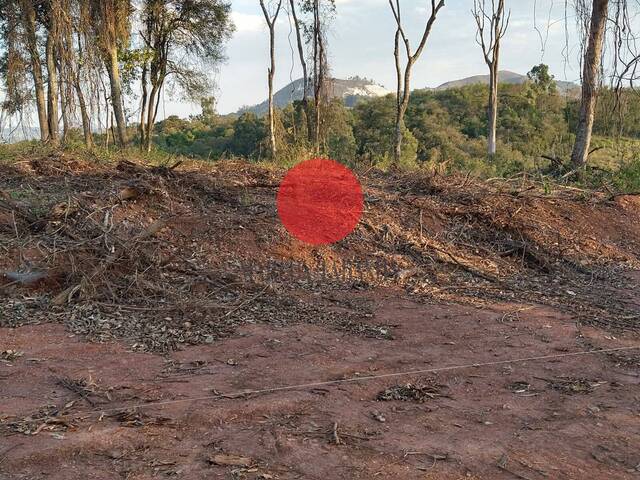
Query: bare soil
column 142, row 308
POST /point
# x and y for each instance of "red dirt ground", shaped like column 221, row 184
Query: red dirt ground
column 478, row 424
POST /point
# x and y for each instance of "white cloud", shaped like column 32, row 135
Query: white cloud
column 247, row 22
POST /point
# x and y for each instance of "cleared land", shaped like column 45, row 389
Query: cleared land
column 129, row 291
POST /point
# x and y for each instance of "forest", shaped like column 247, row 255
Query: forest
column 94, row 73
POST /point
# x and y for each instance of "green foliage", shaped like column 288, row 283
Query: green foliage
column 444, row 131
column 374, row 132
column 542, row 79
column 627, row 178
column 340, row 142
column 212, row 138
column 249, row 134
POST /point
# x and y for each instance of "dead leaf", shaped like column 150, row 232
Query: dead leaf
column 129, row 193
column 62, row 209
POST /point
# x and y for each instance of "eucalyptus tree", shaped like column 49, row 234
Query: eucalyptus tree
column 492, row 26
column 610, row 25
column 16, row 65
column 591, row 71
column 183, row 39
column 22, row 60
column 51, row 11
column 298, row 27
column 111, row 25
column 403, row 90
column 271, row 18
column 320, row 13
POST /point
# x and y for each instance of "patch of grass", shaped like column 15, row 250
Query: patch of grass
column 614, row 153
column 105, row 155
column 15, row 152
column 627, row 179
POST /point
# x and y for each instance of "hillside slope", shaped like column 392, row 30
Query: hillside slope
column 505, row 76
column 349, row 90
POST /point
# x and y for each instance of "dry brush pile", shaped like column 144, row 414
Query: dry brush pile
column 180, row 254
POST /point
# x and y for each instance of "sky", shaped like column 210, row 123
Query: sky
column 361, row 43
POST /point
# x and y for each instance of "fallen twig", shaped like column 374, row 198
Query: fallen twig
column 336, row 437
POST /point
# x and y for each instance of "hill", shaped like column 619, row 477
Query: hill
column 505, row 76
column 356, row 88
column 350, row 90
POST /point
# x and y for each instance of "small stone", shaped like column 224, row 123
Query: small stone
column 378, row 416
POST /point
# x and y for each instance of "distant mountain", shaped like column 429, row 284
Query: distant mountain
column 356, row 88
column 505, row 76
column 350, row 90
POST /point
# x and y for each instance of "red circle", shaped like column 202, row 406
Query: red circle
column 320, row 201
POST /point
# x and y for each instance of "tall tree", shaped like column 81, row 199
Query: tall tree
column 321, row 13
column 29, row 19
column 52, row 13
column 14, row 64
column 303, row 62
column 319, row 62
column 271, row 19
column 73, row 58
column 590, row 79
column 111, row 24
column 178, row 35
column 492, row 27
column 403, row 90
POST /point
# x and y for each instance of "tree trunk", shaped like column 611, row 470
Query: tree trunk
column 29, row 22
column 497, row 28
column 86, row 118
column 305, row 73
column 402, row 110
column 590, row 76
column 397, row 141
column 111, row 128
column 397, row 150
column 272, row 69
column 116, row 95
column 52, row 90
column 317, row 73
column 321, row 92
column 107, row 115
column 66, row 123
column 403, row 93
column 271, row 23
column 143, row 107
column 493, row 108
column 77, row 86
column 151, row 110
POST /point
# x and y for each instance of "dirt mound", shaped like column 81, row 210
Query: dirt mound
column 183, row 254
column 366, row 359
